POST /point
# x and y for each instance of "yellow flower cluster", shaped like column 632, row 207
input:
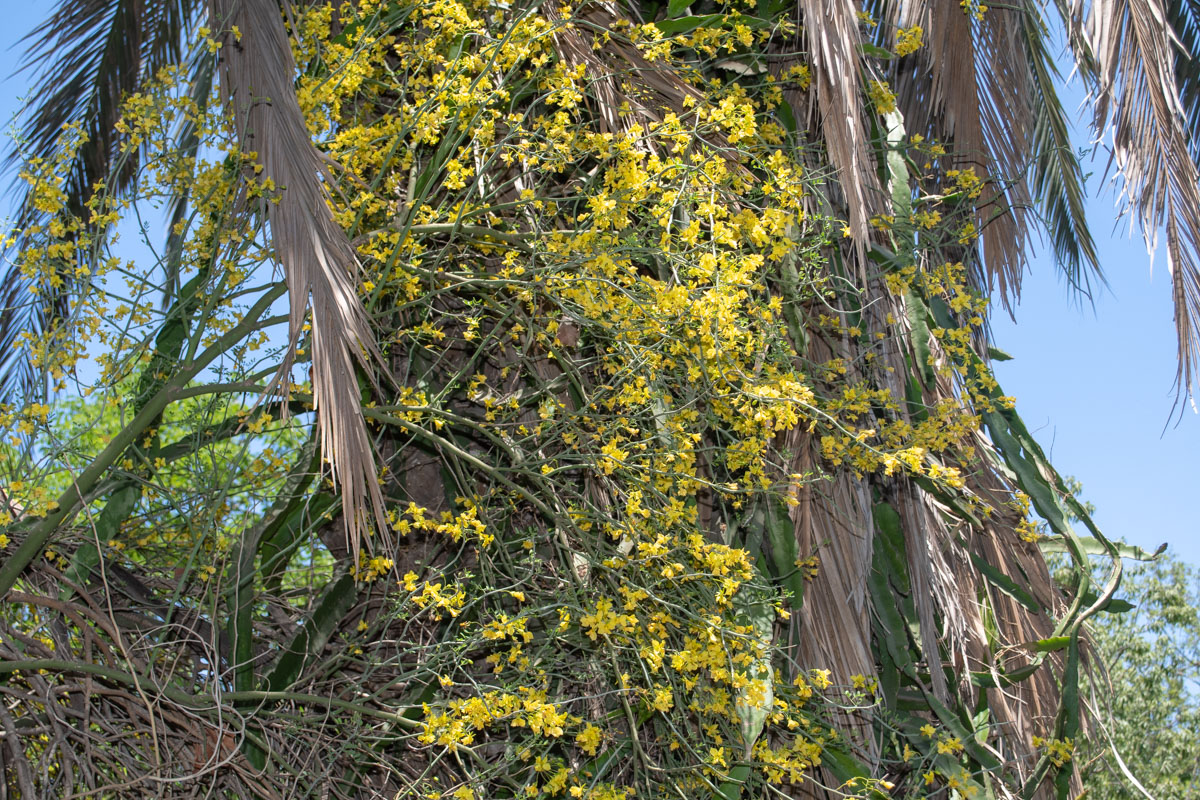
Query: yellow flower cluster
column 462, row 719
column 908, row 40
column 455, row 527
column 881, row 96
column 1060, row 751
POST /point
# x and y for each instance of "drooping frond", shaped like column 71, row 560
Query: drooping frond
column 831, row 30
column 939, row 94
column 1184, row 19
column 942, row 97
column 257, row 71
column 1057, row 175
column 983, row 85
column 88, row 55
column 1128, row 52
column 1006, row 115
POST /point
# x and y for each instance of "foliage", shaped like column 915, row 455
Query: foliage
column 1148, row 706
column 686, row 484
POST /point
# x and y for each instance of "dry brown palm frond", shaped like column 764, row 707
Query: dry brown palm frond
column 833, row 629
column 1007, row 118
column 961, row 619
column 318, row 260
column 833, row 38
column 1128, row 51
column 985, row 87
column 982, row 118
column 939, row 96
column 621, row 77
column 834, row 521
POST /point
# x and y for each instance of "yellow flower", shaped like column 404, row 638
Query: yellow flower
column 881, row 97
column 951, row 746
column 908, row 40
column 589, row 740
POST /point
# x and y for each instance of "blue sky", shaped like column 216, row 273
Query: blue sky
column 1095, row 386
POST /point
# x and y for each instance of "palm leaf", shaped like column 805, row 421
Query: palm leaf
column 1007, row 114
column 1057, row 175
column 962, row 94
column 1184, row 18
column 833, row 40
column 988, row 90
column 1127, row 52
column 88, row 55
column 257, row 71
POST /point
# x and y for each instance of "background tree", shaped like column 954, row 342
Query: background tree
column 1145, row 687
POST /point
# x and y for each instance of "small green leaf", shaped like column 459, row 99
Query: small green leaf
column 787, row 117
column 86, row 559
column 871, row 51
column 670, row 27
column 731, row 788
column 1094, row 547
column 120, row 505
column 1006, row 584
column 1051, row 644
column 996, row 354
column 781, row 537
column 1118, row 606
column 918, row 321
column 676, row 7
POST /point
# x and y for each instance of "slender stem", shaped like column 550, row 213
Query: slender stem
column 201, row 702
column 70, row 500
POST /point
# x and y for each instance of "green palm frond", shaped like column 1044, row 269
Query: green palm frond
column 1184, row 19
column 986, row 87
column 87, row 56
column 1057, row 174
column 955, row 91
